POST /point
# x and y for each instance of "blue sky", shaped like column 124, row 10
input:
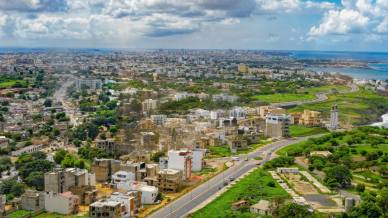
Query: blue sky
column 360, row 25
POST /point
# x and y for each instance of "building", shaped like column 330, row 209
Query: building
column 4, row 141
column 334, row 123
column 149, row 141
column 63, row 203
column 32, row 200
column 127, row 200
column 310, row 118
column 197, row 160
column 104, row 168
column 108, row 145
column 169, row 180
column 92, row 84
column 61, row 180
column 293, row 170
column 28, row 149
column 159, row 119
column 263, row 207
column 265, row 110
column 149, row 105
column 277, row 126
column 242, row 68
column 122, row 179
column 148, row 193
column 180, row 160
column 106, row 209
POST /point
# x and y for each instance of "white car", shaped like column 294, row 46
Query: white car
column 235, row 158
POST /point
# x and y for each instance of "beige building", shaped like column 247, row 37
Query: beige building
column 32, row 200
column 106, row 209
column 61, row 180
column 169, row 180
column 277, row 126
column 310, row 118
column 63, row 203
column 242, row 68
column 149, row 105
column 104, row 168
column 265, row 110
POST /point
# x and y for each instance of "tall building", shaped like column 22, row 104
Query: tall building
column 277, row 126
column 180, row 160
column 334, row 124
column 310, row 118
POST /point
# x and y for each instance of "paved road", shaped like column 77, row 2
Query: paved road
column 187, row 202
column 60, row 96
column 320, row 97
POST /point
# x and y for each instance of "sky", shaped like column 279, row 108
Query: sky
column 350, row 25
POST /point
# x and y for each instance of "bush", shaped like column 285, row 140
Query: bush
column 360, row 187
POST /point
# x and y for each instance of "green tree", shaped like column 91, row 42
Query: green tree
column 338, row 175
column 35, row 179
column 293, row 210
column 60, row 155
column 68, row 161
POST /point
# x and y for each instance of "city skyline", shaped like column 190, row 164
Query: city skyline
column 347, row 25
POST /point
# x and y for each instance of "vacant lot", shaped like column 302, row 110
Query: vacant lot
column 252, row 188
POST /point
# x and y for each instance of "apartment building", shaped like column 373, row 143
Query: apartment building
column 169, row 180
column 180, row 160
column 277, row 126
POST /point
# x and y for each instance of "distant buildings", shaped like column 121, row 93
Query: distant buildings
column 92, row 84
column 265, row 110
column 277, row 126
column 242, row 68
column 149, row 105
column 334, row 123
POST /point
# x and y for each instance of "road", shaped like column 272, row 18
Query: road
column 190, row 200
column 320, row 97
column 60, row 96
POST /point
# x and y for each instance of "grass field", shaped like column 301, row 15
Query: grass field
column 19, row 213
column 307, row 94
column 252, row 188
column 224, row 151
column 55, row 215
column 352, row 107
column 299, row 130
column 13, row 83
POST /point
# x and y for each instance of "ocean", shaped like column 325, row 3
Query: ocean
column 377, row 62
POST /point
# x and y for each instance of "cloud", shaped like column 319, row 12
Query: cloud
column 320, row 5
column 340, row 22
column 383, row 26
column 34, row 5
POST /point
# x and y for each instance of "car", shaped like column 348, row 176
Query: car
column 231, row 178
column 235, row 158
column 225, row 183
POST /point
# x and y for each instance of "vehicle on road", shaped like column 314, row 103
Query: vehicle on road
column 235, row 158
column 231, row 178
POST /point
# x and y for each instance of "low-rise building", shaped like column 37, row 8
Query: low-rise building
column 263, row 207
column 277, row 126
column 180, row 160
column 32, row 200
column 310, row 118
column 169, row 180
column 63, row 203
column 106, row 209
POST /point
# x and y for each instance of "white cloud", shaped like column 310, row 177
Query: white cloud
column 320, row 5
column 340, row 22
column 383, row 26
column 279, row 5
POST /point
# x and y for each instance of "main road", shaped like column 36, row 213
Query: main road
column 190, row 200
column 60, row 96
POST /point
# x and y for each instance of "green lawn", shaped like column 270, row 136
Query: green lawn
column 13, row 83
column 307, row 94
column 352, row 106
column 55, row 215
column 19, row 213
column 224, row 151
column 252, row 188
column 299, row 130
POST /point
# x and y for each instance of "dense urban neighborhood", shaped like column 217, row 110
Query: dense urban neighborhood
column 189, row 133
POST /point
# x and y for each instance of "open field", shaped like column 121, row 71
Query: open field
column 352, row 107
column 307, row 94
column 252, row 188
column 13, row 84
column 224, row 150
column 299, row 130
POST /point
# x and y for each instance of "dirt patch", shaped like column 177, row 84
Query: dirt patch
column 300, row 186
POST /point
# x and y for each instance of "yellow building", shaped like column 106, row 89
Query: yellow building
column 310, row 118
column 242, row 68
column 265, row 110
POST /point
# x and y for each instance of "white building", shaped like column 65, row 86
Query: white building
column 3, row 142
column 238, row 113
column 148, row 193
column 180, row 160
column 197, row 160
column 122, row 179
column 63, row 203
column 159, row 119
column 89, row 83
column 126, row 200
